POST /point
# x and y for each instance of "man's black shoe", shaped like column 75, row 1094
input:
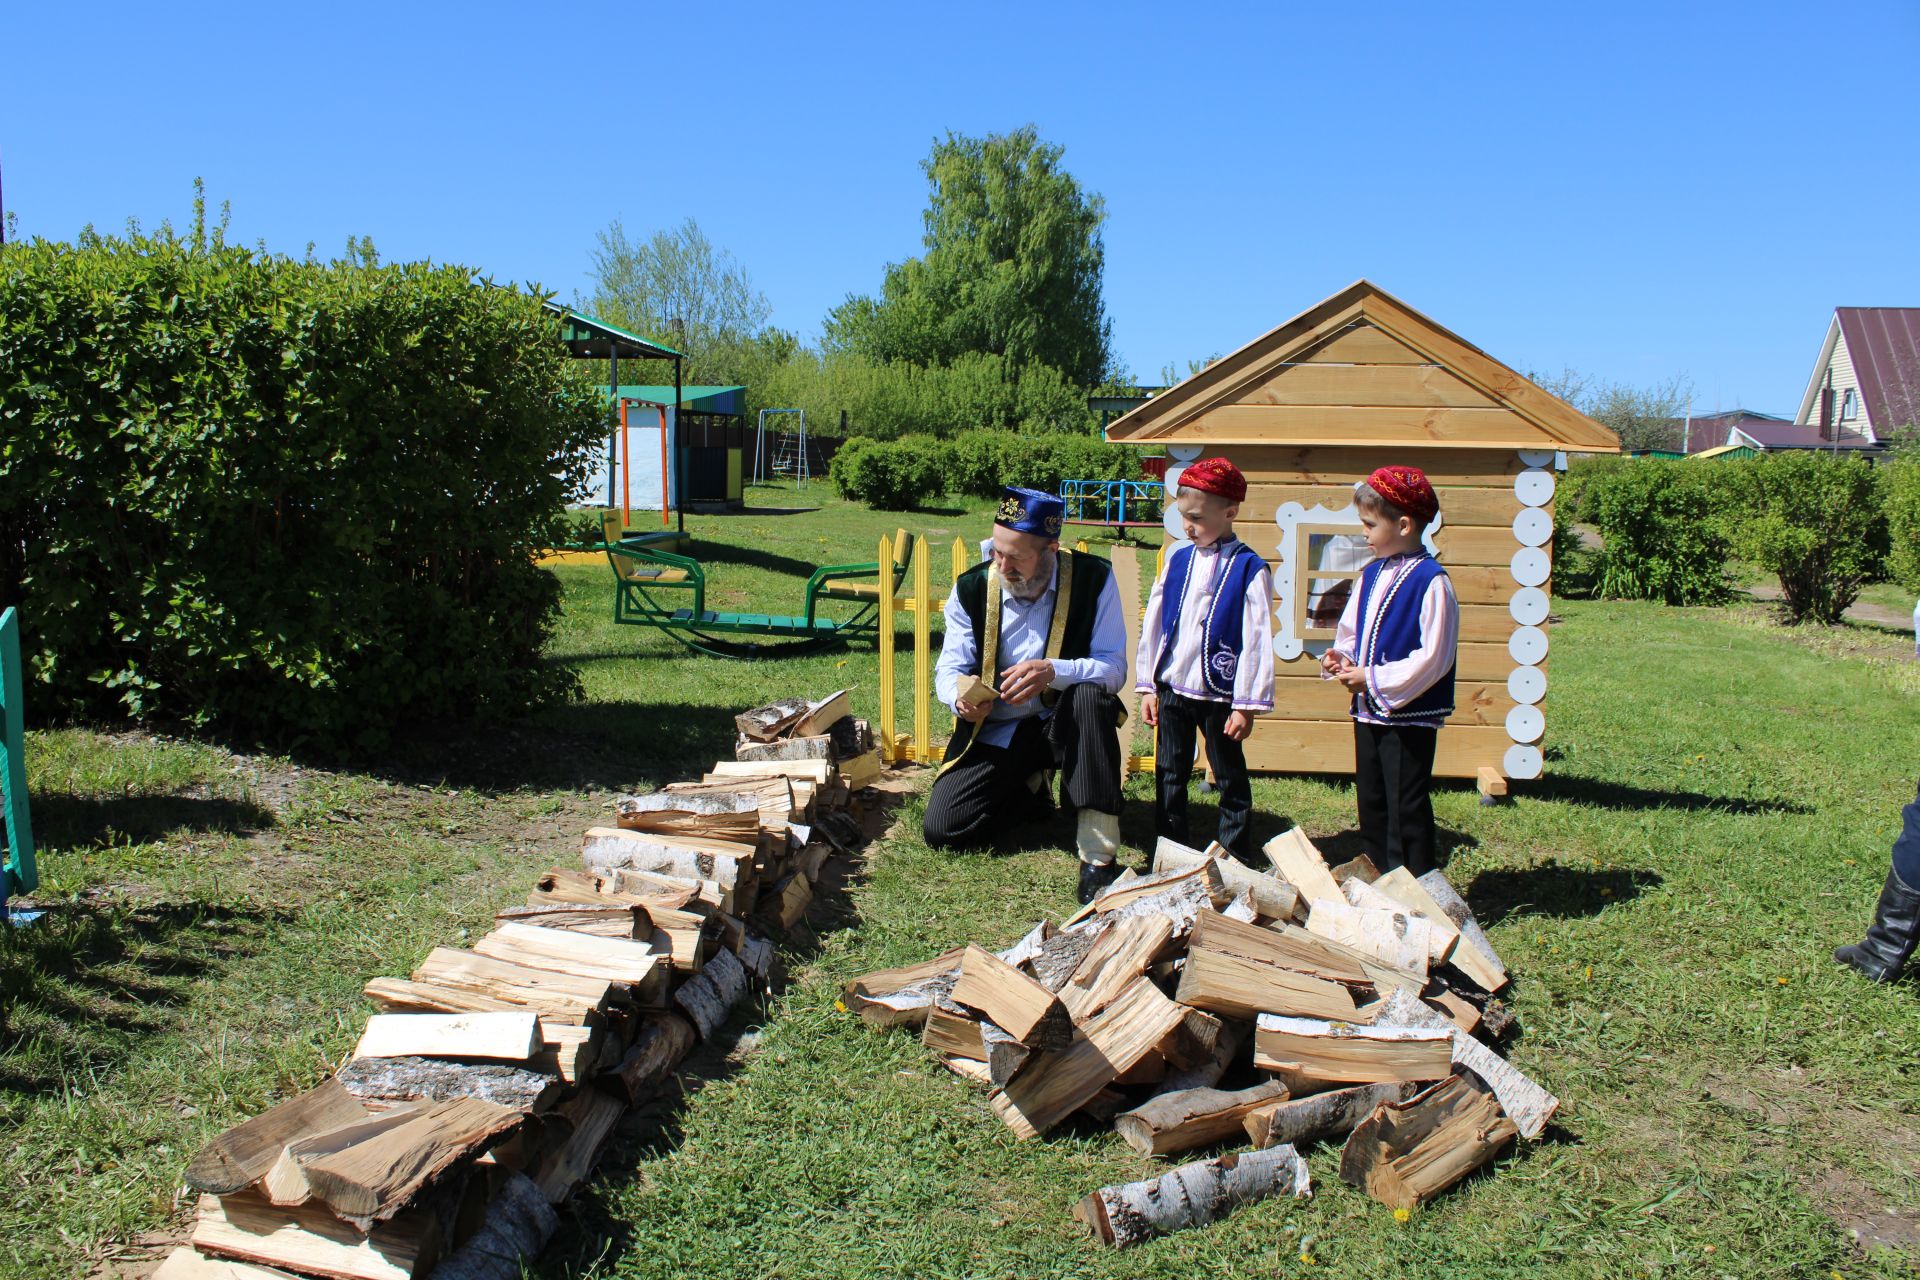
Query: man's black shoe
column 1095, row 876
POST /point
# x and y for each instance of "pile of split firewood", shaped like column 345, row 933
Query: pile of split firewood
column 1338, row 1005
column 484, row 1093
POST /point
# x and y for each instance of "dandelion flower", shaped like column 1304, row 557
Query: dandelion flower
column 1402, row 1215
column 1780, row 981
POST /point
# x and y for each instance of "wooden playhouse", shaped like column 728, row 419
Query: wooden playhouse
column 1308, row 409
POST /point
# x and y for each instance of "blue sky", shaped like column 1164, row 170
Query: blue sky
column 1631, row 190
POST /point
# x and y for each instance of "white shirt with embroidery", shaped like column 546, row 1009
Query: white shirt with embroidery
column 1395, row 684
column 1184, row 674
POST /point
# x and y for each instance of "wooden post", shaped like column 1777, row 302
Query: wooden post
column 1493, row 787
column 888, row 744
column 922, row 659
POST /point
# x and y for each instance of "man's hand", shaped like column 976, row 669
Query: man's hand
column 972, row 712
column 1239, row 725
column 1023, row 680
column 1355, row 678
column 1150, row 708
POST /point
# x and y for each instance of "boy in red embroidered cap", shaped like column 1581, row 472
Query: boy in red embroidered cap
column 1205, row 660
column 1394, row 648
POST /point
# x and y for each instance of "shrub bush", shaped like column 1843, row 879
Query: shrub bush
column 983, row 461
column 1900, row 501
column 892, row 475
column 1663, row 532
column 1812, row 518
column 294, row 499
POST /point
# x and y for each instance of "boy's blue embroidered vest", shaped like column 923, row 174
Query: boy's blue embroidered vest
column 1397, row 635
column 1220, row 637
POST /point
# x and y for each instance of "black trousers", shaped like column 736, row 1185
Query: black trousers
column 1906, row 846
column 1181, row 720
column 985, row 794
column 1392, row 774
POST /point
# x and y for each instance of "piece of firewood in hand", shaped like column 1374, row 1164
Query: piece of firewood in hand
column 1170, row 1122
column 1011, row 1000
column 1191, row 1196
column 1406, row 1153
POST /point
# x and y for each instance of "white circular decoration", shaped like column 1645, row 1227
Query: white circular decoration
column 1528, row 606
column 1534, row 486
column 1526, row 724
column 1533, row 527
column 1287, row 647
column 1527, row 685
column 1521, row 762
column 1528, row 646
column 1184, row 453
column 1531, row 566
column 1536, row 457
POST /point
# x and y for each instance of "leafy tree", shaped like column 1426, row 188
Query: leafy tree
column 677, row 286
column 1012, row 268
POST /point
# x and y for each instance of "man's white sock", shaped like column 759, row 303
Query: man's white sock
column 1098, row 838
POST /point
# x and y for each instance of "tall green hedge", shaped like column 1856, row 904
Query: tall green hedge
column 895, row 475
column 293, row 499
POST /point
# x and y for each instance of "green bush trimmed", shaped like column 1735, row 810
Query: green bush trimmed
column 1663, row 532
column 1813, row 519
column 891, row 475
column 293, row 499
column 1900, row 500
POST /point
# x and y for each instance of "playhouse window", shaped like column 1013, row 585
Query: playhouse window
column 1334, row 557
column 1850, row 407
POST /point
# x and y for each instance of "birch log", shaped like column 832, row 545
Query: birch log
column 518, row 1224
column 1405, row 1154
column 709, row 996
column 1527, row 1104
column 1396, row 939
column 1450, row 901
column 1170, row 1122
column 1333, row 1114
column 1191, row 1196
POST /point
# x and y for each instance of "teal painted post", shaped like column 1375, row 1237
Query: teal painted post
column 19, row 875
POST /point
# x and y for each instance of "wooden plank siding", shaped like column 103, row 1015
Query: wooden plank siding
column 1372, row 384
column 1281, row 464
column 1491, row 507
column 1389, row 427
column 1474, row 701
column 1326, row 746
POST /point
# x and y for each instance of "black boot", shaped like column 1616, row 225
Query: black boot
column 1095, row 876
column 1891, row 936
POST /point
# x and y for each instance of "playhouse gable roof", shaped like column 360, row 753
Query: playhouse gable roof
column 1362, row 368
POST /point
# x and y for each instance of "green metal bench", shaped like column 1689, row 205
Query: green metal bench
column 18, row 874
column 650, row 581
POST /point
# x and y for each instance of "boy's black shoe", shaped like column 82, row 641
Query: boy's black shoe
column 1890, row 938
column 1095, row 876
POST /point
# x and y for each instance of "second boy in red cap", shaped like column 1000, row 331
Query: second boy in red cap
column 1206, row 654
column 1394, row 649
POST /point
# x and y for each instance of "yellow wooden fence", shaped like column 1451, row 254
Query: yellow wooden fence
column 918, row 746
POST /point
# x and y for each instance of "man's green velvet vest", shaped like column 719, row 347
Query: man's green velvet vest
column 1082, row 578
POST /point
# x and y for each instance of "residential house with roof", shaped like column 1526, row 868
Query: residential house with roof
column 1866, row 383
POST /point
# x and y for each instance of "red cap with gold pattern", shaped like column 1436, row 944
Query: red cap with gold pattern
column 1407, row 489
column 1216, row 476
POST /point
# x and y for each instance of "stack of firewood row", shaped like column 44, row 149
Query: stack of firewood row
column 486, row 1088
column 1208, row 1003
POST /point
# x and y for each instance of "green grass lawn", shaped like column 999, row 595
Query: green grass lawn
column 1720, row 795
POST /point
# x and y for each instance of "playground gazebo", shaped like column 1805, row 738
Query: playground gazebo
column 1359, row 381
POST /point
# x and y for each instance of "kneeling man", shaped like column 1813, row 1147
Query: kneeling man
column 1042, row 626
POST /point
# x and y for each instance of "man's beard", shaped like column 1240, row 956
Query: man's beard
column 1030, row 588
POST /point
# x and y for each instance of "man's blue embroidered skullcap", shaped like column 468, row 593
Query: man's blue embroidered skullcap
column 1030, row 511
